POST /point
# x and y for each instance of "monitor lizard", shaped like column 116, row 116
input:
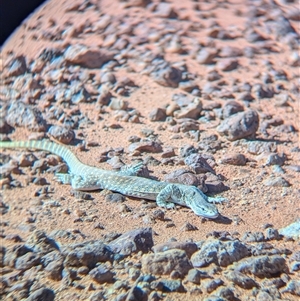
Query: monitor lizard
column 86, row 178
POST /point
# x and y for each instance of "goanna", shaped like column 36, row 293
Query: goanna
column 86, row 178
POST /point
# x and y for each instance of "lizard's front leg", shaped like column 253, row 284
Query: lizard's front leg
column 163, row 198
column 216, row 200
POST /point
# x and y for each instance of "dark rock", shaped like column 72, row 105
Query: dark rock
column 87, row 57
column 69, row 275
column 272, row 234
column 40, row 243
column 145, row 146
column 182, row 176
column 239, row 125
column 13, row 237
column 190, row 87
column 246, row 96
column 194, row 276
column 26, row 160
column 104, row 96
column 188, row 227
column 21, row 289
column 291, row 231
column 293, row 14
column 42, row 294
column 163, row 263
column 240, row 279
column 215, row 186
column 252, row 36
column 61, row 134
column 118, row 104
column 22, row 115
column 198, row 163
column 276, row 159
column 13, row 253
column 101, row 274
column 168, row 286
column 234, row 159
column 10, row 168
column 108, row 77
column 253, row 237
column 227, row 64
column 158, row 214
column 295, row 266
column 292, row 287
column 192, row 110
column 136, row 294
column 210, row 143
column 165, row 10
column 40, row 165
column 166, row 75
column 213, row 76
column 262, row 266
column 230, row 108
column 273, row 181
column 86, row 254
column 211, row 285
column 187, row 150
column 27, row 261
column 259, row 147
column 51, row 262
column 272, row 283
column 17, row 66
column 154, row 296
column 189, row 247
column 188, row 126
column 40, row 181
column 220, row 253
column 168, row 153
column 54, row 270
column 158, row 114
column 5, row 128
column 264, row 296
column 134, row 273
column 262, row 91
column 282, row 27
column 206, row 56
column 133, row 242
column 137, row 3
column 230, row 51
column 99, row 296
column 226, row 293
column 115, row 198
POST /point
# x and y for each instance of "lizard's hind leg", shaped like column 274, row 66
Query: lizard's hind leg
column 64, row 178
column 77, row 182
column 131, row 170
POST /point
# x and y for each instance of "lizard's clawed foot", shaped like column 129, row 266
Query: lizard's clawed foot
column 64, row 178
column 167, row 205
column 217, row 200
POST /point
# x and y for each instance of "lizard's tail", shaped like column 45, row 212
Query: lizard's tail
column 46, row 145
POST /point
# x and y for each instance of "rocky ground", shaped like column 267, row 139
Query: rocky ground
column 205, row 93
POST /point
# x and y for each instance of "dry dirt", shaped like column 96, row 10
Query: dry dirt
column 251, row 204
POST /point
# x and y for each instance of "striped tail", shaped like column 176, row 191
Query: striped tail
column 46, row 145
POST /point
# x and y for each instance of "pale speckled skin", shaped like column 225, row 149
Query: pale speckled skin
column 86, row 178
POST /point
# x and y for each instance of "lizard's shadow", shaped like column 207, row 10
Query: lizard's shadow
column 221, row 219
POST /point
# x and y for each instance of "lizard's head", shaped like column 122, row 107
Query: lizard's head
column 198, row 202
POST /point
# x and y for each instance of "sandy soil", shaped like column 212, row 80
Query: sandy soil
column 252, row 204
